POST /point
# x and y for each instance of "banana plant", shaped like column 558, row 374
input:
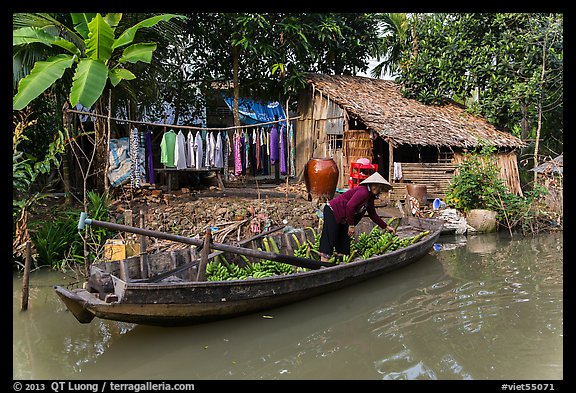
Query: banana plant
column 95, row 55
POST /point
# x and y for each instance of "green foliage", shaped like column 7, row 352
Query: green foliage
column 508, row 65
column 26, row 168
column 92, row 53
column 57, row 241
column 98, row 209
column 477, row 185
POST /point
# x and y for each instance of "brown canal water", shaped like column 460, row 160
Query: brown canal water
column 488, row 307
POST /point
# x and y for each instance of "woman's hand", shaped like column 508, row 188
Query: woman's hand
column 390, row 229
column 351, row 230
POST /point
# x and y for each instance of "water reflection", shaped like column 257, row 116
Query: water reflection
column 490, row 309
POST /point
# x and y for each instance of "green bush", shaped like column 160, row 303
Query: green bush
column 477, row 185
column 58, row 242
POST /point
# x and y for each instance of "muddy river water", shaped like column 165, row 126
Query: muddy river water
column 486, row 307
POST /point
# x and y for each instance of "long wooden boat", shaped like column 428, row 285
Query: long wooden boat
column 171, row 294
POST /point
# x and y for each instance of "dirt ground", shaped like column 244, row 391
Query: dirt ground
column 235, row 213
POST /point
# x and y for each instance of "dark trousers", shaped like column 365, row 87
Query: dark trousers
column 334, row 235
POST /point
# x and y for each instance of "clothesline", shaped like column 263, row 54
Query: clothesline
column 185, row 127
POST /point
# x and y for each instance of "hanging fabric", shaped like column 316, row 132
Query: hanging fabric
column 274, row 145
column 282, row 158
column 198, row 148
column 149, row 157
column 218, row 152
column 167, row 149
column 257, row 151
column 212, row 149
column 134, row 154
column 190, row 153
column 180, row 151
column 292, row 144
column 237, row 154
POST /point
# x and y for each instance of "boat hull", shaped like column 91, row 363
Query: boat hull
column 192, row 302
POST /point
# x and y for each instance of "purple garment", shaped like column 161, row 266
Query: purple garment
column 237, row 156
column 349, row 207
column 149, row 161
column 283, row 170
column 273, row 145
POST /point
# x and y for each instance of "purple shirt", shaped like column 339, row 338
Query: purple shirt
column 350, row 206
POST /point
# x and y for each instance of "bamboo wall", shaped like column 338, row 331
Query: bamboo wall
column 436, row 177
column 316, row 115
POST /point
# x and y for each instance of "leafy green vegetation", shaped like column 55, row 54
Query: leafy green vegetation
column 477, row 186
column 58, row 242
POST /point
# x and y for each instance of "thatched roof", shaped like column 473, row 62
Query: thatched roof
column 379, row 104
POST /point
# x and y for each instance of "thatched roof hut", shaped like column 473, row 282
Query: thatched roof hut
column 403, row 131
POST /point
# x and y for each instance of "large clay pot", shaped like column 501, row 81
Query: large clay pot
column 482, row 220
column 418, row 191
column 321, row 178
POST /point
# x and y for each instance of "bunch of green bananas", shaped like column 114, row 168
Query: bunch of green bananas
column 379, row 242
column 307, row 248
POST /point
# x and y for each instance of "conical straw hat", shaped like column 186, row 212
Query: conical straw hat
column 377, row 178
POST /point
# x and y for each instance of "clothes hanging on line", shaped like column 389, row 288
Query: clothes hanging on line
column 282, row 157
column 180, row 151
column 167, row 146
column 134, row 155
column 274, row 145
column 149, row 159
column 190, row 153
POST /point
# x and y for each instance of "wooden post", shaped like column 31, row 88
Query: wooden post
column 128, row 217
column 204, row 256
column 143, row 256
column 26, row 277
column 124, row 269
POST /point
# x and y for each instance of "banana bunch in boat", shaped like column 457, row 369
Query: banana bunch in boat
column 378, row 242
column 220, row 269
column 308, row 249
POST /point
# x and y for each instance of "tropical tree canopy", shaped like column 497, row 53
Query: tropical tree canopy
column 94, row 54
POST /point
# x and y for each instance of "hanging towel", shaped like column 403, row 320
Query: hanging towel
column 397, row 171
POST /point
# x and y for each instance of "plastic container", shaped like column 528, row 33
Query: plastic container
column 360, row 171
column 438, row 204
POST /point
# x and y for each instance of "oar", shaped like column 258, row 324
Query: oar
column 188, row 265
column 289, row 259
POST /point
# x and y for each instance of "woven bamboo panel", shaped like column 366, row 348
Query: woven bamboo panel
column 357, row 143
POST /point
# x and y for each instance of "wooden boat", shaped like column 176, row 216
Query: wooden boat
column 172, row 295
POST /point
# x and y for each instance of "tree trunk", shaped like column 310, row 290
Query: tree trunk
column 542, row 76
column 67, row 123
column 100, row 146
column 236, row 87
